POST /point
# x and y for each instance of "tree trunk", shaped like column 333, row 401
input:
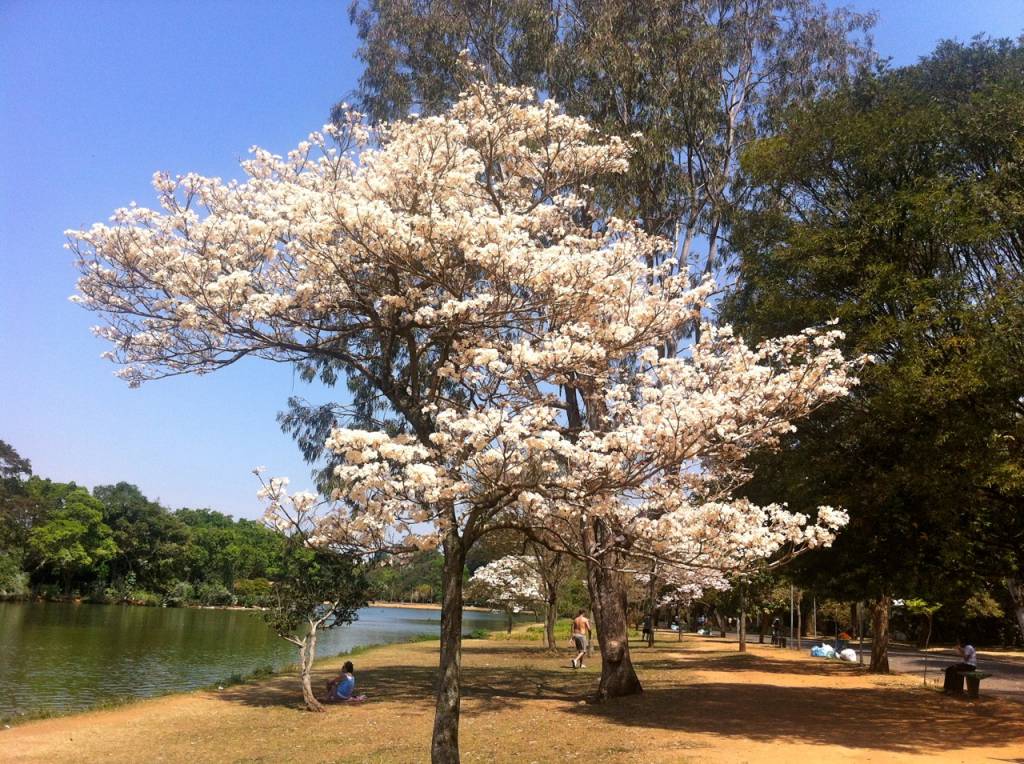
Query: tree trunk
column 743, row 621
column 880, row 635
column 444, row 747
column 800, row 626
column 651, row 610
column 549, row 623
column 762, row 626
column 508, row 613
column 1016, row 588
column 720, row 622
column 307, row 654
column 608, row 599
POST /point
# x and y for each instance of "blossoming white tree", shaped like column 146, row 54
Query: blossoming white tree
column 459, row 268
column 510, row 583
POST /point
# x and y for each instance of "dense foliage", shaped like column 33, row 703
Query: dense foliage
column 116, row 545
column 897, row 205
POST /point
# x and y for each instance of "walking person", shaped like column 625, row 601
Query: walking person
column 954, row 679
column 580, row 637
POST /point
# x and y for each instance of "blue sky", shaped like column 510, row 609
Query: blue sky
column 96, row 96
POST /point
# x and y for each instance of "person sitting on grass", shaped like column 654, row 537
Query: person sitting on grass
column 342, row 688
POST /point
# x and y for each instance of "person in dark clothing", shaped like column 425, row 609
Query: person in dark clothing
column 954, row 674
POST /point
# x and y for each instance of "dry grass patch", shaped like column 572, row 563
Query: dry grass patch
column 703, row 702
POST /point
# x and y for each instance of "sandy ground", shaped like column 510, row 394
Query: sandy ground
column 424, row 606
column 703, row 702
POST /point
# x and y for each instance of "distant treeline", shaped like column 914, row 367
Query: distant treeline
column 59, row 540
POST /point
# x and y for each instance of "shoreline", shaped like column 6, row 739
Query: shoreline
column 425, row 606
column 256, row 608
column 252, row 678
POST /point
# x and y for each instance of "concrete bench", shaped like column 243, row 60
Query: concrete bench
column 973, row 681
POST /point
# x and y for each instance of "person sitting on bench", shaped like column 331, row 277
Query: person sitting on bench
column 954, row 674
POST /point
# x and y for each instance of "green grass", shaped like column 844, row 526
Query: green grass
column 263, row 672
column 422, row 638
column 12, row 720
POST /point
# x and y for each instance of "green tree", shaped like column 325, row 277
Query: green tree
column 149, row 539
column 897, row 206
column 19, row 512
column 12, row 464
column 73, row 539
column 318, row 589
column 220, row 549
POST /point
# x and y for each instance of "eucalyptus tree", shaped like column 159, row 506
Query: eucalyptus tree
column 691, row 83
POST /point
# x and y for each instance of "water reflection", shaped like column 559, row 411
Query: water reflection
column 67, row 656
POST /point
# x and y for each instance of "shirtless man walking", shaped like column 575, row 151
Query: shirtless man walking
column 580, row 637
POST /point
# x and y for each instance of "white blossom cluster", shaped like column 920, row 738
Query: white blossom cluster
column 454, row 264
column 510, row 582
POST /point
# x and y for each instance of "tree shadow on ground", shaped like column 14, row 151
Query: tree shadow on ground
column 857, row 718
column 750, row 662
column 506, row 677
column 483, row 688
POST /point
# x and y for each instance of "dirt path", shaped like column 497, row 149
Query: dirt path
column 703, row 702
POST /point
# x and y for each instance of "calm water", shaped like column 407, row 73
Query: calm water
column 65, row 656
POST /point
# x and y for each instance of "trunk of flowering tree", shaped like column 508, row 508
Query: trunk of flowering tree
column 444, row 747
column 608, row 599
column 880, row 635
column 549, row 622
column 307, row 654
column 508, row 616
column 618, row 677
column 1016, row 587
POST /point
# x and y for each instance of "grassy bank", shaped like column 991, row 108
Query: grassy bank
column 703, row 702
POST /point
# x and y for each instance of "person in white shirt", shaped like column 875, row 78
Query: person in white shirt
column 954, row 678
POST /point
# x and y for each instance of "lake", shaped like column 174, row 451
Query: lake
column 58, row 656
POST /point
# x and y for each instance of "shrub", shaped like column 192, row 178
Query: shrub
column 179, row 594
column 13, row 580
column 50, row 592
column 253, row 592
column 120, row 590
column 98, row 594
column 143, row 597
column 214, row 594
